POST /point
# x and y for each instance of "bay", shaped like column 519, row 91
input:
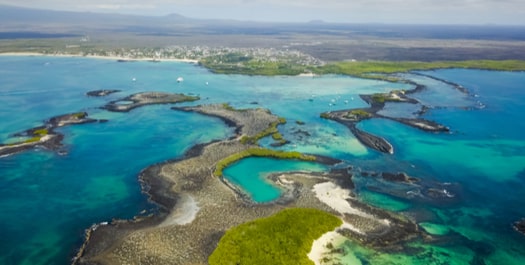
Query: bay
column 47, row 200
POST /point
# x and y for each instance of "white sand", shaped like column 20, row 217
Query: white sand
column 184, row 212
column 319, row 246
column 46, row 138
column 97, row 57
column 336, row 197
column 307, row 75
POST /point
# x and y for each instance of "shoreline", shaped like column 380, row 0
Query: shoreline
column 102, row 57
column 351, row 117
column 173, row 237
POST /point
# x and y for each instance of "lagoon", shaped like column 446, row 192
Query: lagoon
column 251, row 174
column 49, row 199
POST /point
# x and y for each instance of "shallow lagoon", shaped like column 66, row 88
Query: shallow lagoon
column 251, row 174
column 48, row 200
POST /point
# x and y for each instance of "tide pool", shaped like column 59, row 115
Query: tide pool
column 251, row 175
column 47, row 200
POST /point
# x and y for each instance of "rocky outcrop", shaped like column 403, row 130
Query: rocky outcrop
column 101, row 93
column 146, row 98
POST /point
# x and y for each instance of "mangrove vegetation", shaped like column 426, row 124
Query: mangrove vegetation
column 284, row 238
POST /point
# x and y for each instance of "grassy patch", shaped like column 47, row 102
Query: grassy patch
column 284, row 238
column 221, row 165
column 32, row 140
column 41, row 132
column 79, row 115
column 271, row 130
column 358, row 114
column 378, row 70
column 227, row 106
column 277, row 136
column 324, row 115
column 379, row 97
column 374, row 69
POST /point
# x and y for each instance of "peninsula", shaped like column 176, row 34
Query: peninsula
column 197, row 206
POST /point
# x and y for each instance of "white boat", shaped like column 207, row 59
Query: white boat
column 180, row 79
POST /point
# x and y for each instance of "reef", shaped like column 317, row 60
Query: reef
column 406, row 187
column 351, row 117
column 102, row 93
column 196, row 207
column 45, row 136
column 146, row 98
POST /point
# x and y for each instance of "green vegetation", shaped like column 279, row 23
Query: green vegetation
column 32, row 140
column 255, row 68
column 277, row 136
column 358, row 114
column 378, row 70
column 373, row 69
column 41, row 132
column 261, row 152
column 325, row 115
column 79, row 115
column 284, row 238
column 272, row 129
column 185, row 98
column 37, row 134
column 234, row 63
column 380, row 97
column 227, row 106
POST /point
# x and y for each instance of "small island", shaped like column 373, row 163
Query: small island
column 377, row 101
column 147, row 98
column 45, row 135
column 102, row 93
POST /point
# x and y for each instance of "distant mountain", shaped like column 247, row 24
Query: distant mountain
column 17, row 20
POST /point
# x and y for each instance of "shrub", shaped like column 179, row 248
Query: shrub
column 261, row 152
column 284, row 238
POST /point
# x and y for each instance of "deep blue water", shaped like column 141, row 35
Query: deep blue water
column 47, row 200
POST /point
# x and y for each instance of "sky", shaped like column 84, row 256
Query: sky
column 506, row 12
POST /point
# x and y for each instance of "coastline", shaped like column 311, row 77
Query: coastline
column 172, row 236
column 102, row 57
column 351, row 117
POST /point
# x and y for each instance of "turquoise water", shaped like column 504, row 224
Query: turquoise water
column 485, row 154
column 47, row 200
column 251, row 174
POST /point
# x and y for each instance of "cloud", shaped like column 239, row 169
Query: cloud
column 403, row 11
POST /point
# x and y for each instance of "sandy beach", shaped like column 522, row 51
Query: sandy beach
column 183, row 213
column 99, row 57
column 320, row 245
column 336, row 197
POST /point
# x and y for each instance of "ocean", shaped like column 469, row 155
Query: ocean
column 48, row 200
